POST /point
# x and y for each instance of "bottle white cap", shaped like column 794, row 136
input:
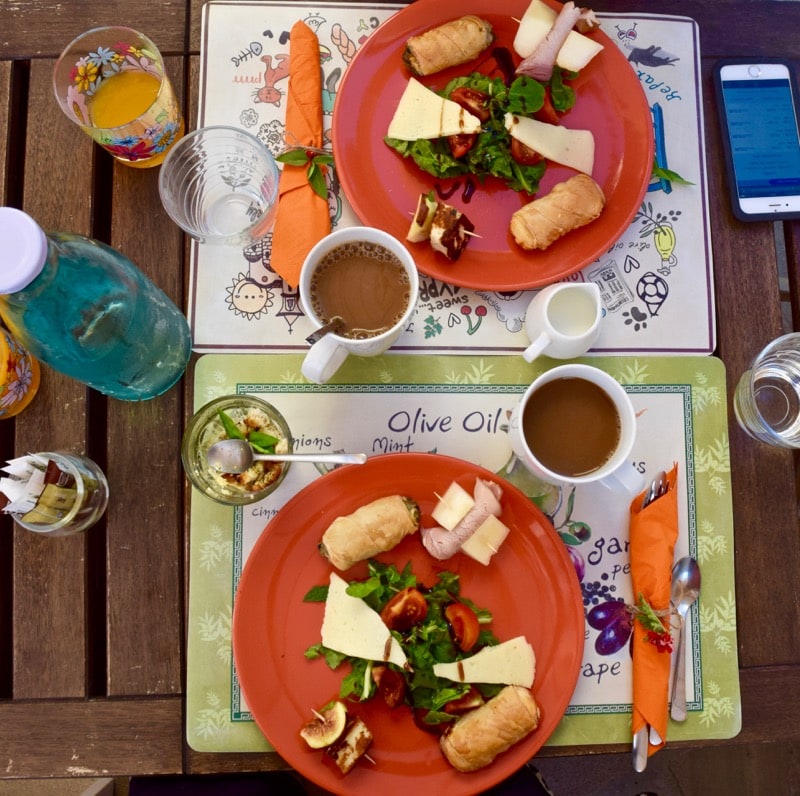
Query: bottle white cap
column 23, row 250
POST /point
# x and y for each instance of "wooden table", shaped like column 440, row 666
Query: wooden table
column 92, row 641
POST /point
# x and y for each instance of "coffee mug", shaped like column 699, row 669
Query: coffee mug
column 576, row 425
column 364, row 283
column 563, row 320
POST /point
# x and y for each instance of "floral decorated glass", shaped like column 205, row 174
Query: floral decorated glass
column 19, row 376
column 111, row 82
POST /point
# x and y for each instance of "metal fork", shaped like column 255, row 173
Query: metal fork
column 658, row 487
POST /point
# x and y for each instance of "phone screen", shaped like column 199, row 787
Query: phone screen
column 762, row 127
column 763, row 138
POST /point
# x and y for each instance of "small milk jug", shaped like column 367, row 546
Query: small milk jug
column 87, row 311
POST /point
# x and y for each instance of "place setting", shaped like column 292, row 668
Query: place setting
column 365, row 399
column 241, row 302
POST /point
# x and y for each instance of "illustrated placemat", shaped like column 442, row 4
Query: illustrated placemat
column 656, row 281
column 457, row 405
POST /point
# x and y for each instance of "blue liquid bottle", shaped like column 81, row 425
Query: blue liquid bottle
column 87, row 311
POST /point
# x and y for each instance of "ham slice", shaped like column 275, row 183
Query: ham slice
column 539, row 64
column 442, row 544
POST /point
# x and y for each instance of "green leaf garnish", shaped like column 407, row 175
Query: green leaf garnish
column 648, row 617
column 317, row 161
column 293, row 157
column 660, row 173
column 316, row 180
column 231, row 429
column 263, row 443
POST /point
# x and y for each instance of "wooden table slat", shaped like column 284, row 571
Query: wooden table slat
column 91, row 738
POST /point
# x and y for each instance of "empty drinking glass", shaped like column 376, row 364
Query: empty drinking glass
column 220, row 185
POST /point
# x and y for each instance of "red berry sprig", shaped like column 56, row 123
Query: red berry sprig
column 657, row 634
column 317, row 161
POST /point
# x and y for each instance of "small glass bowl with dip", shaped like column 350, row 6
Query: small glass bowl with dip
column 251, row 418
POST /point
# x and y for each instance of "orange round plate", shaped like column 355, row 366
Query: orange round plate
column 383, row 187
column 530, row 587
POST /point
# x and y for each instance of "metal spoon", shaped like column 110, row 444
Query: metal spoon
column 333, row 325
column 685, row 590
column 236, row 456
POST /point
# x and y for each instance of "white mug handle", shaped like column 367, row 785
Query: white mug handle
column 624, row 479
column 323, row 359
column 536, row 347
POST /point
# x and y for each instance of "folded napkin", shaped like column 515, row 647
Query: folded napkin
column 653, row 532
column 303, row 217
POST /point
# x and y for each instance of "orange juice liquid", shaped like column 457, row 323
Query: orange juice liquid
column 123, row 98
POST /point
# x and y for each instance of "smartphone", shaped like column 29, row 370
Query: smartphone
column 758, row 104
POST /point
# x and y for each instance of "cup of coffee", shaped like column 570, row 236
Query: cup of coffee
column 563, row 320
column 576, row 425
column 362, row 284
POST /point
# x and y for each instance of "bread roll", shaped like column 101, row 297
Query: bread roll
column 569, row 205
column 480, row 735
column 374, row 528
column 453, row 43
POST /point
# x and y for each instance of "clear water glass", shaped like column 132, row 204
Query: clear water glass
column 767, row 398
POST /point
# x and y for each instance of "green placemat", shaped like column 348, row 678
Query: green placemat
column 457, row 405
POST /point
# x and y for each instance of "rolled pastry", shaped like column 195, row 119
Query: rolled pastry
column 569, row 205
column 453, row 43
column 374, row 528
column 479, row 736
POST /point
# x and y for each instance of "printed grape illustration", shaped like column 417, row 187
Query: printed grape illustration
column 615, row 623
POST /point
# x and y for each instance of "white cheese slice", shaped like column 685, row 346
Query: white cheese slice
column 486, row 540
column 422, row 113
column 511, row 662
column 536, row 23
column 573, row 148
column 452, row 507
column 351, row 627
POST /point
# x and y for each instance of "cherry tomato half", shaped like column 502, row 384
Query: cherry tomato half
column 547, row 113
column 461, row 144
column 463, row 625
column 406, row 609
column 391, row 685
column 523, row 154
column 466, row 702
column 472, row 100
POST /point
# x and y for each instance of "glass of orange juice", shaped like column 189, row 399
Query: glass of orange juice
column 111, row 81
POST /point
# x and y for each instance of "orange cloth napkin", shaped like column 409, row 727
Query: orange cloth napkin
column 653, row 532
column 303, row 217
